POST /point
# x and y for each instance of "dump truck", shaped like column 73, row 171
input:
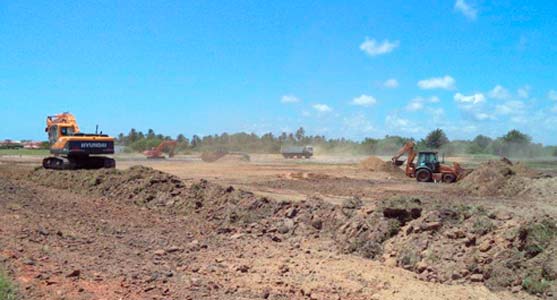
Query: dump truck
column 296, row 151
column 72, row 149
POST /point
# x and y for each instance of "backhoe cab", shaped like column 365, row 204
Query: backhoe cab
column 427, row 167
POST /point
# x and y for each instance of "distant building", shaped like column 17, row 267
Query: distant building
column 32, row 145
column 10, row 144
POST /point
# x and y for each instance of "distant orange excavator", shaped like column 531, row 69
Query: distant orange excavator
column 158, row 152
column 427, row 168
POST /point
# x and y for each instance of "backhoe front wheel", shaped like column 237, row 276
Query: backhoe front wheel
column 423, row 175
column 449, row 178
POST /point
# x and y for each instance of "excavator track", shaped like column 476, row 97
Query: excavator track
column 72, row 163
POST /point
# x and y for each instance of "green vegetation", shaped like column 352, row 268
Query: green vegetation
column 7, row 290
column 482, row 225
column 38, row 152
column 535, row 286
column 537, row 236
column 436, row 139
column 514, row 143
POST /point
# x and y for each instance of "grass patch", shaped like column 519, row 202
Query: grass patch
column 7, row 289
column 536, row 237
column 482, row 225
column 535, row 286
column 25, row 152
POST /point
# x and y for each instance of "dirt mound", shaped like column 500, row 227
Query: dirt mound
column 499, row 177
column 454, row 244
column 139, row 184
column 304, row 176
column 374, row 163
column 442, row 243
column 470, row 244
column 224, row 156
column 235, row 157
column 153, row 189
column 212, row 156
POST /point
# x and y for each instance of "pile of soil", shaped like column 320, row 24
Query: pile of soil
column 141, row 185
column 499, row 177
column 304, row 176
column 470, row 244
column 224, row 156
column 454, row 244
column 235, row 157
column 144, row 186
column 212, row 156
column 442, row 242
column 374, row 163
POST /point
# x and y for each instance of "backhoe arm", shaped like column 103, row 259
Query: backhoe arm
column 408, row 149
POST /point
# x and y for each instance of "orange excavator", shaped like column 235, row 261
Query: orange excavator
column 157, row 153
column 73, row 149
column 427, row 168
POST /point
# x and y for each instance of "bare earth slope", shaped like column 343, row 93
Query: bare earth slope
column 142, row 234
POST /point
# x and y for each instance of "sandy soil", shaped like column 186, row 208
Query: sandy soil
column 59, row 244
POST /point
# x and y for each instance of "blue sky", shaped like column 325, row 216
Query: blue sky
column 339, row 68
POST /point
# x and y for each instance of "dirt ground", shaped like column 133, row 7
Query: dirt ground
column 265, row 229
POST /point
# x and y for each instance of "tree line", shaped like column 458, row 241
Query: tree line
column 513, row 143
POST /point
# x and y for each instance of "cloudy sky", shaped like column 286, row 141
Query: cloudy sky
column 339, row 68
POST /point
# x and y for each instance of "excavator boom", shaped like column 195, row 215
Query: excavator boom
column 157, row 152
column 407, row 149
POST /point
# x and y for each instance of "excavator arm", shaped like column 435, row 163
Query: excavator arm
column 157, row 152
column 169, row 145
column 407, row 149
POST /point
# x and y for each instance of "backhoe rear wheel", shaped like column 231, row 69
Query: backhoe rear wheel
column 423, row 175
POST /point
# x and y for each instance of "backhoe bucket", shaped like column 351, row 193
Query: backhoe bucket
column 398, row 162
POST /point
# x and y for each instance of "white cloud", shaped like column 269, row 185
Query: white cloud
column 391, row 83
column 499, row 92
column 322, row 107
column 436, row 113
column 414, row 106
column 480, row 116
column 552, row 95
column 394, row 123
column 519, row 119
column 446, row 82
column 472, row 99
column 418, row 103
column 289, row 99
column 372, row 48
column 359, row 122
column 510, row 107
column 523, row 92
column 466, row 9
column 364, row 100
